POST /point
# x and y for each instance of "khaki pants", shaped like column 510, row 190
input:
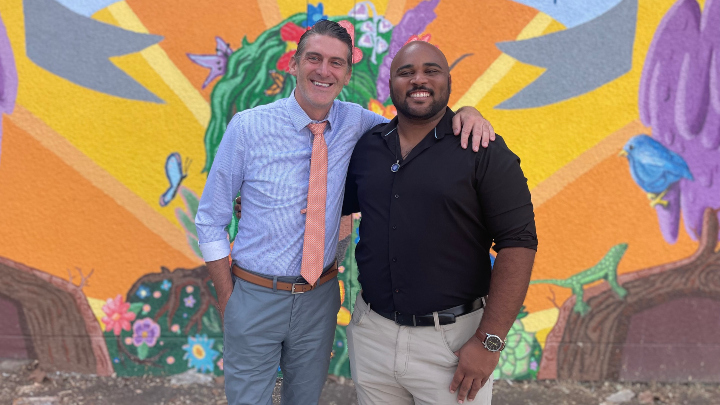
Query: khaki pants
column 392, row 364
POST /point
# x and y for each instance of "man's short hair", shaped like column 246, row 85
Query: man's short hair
column 331, row 29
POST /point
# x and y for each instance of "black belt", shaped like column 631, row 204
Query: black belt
column 445, row 317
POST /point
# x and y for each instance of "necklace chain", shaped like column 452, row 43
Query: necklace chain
column 398, row 146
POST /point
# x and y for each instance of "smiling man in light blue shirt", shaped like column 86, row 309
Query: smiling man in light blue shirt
column 265, row 154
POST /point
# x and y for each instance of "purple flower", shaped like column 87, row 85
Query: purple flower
column 189, row 301
column 533, row 365
column 145, row 331
column 8, row 76
column 413, row 22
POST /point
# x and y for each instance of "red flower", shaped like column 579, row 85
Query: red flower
column 284, row 62
column 291, row 32
column 118, row 317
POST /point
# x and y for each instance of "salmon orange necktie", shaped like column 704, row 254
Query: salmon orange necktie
column 314, row 242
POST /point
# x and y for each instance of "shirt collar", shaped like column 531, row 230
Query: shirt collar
column 444, row 127
column 299, row 117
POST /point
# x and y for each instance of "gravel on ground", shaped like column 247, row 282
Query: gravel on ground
column 23, row 383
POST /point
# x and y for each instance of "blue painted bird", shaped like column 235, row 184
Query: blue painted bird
column 654, row 167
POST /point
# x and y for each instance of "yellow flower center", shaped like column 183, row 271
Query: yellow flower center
column 115, row 316
column 198, row 351
column 144, row 334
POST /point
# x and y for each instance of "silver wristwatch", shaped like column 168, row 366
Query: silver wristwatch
column 493, row 342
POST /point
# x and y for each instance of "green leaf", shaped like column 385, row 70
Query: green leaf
column 212, row 322
column 143, row 350
column 193, row 242
column 136, row 307
column 186, row 222
column 191, row 200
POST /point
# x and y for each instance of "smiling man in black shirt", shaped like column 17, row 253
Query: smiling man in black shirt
column 422, row 330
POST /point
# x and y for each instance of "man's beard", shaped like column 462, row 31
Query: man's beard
column 435, row 107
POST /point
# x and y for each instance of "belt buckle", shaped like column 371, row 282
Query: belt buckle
column 414, row 322
column 293, row 288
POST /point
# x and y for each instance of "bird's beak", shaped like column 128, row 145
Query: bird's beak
column 622, row 153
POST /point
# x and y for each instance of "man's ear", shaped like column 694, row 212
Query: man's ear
column 292, row 65
column 347, row 79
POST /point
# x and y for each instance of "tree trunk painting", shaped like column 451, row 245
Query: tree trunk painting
column 63, row 333
column 591, row 347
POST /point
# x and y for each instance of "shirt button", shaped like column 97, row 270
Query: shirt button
column 397, row 195
column 394, row 226
column 394, row 259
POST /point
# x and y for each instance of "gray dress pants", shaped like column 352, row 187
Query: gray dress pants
column 265, row 329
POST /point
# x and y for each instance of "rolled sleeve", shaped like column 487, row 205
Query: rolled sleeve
column 215, row 250
column 225, row 179
column 505, row 198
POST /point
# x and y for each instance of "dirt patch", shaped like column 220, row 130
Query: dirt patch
column 23, row 383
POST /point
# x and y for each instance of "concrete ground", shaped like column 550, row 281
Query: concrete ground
column 24, row 384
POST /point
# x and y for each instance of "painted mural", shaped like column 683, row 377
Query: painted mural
column 112, row 112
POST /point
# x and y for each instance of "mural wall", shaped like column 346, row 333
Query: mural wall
column 112, row 112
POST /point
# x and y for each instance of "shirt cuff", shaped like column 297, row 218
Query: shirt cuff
column 215, row 250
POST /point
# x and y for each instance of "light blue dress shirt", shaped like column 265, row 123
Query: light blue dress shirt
column 265, row 154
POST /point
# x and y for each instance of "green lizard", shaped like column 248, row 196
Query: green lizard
column 606, row 269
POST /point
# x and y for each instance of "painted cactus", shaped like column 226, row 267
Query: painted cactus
column 520, row 360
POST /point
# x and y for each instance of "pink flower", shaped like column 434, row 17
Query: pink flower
column 424, row 38
column 118, row 318
column 357, row 54
column 220, row 363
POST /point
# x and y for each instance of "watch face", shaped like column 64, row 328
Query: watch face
column 493, row 343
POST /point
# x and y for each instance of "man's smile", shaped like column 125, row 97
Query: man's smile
column 321, row 84
column 419, row 93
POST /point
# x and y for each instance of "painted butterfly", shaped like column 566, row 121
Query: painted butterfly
column 175, row 175
column 278, row 83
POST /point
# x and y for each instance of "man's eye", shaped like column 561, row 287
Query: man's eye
column 313, row 58
column 406, row 73
column 338, row 63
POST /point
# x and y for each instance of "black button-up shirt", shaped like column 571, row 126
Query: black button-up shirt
column 426, row 230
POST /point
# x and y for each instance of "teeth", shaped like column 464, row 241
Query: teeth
column 420, row 94
column 321, row 84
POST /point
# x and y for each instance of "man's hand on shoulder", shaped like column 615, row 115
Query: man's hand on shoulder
column 475, row 366
column 468, row 120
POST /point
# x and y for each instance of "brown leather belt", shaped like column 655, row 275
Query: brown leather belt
column 295, row 288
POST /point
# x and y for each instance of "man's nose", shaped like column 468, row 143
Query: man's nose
column 418, row 79
column 323, row 69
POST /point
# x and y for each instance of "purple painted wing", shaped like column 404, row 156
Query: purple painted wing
column 680, row 99
column 216, row 63
column 222, row 47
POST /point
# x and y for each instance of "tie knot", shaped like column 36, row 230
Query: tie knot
column 317, row 129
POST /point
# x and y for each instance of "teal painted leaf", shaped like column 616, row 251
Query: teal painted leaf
column 136, row 307
column 191, row 200
column 143, row 350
